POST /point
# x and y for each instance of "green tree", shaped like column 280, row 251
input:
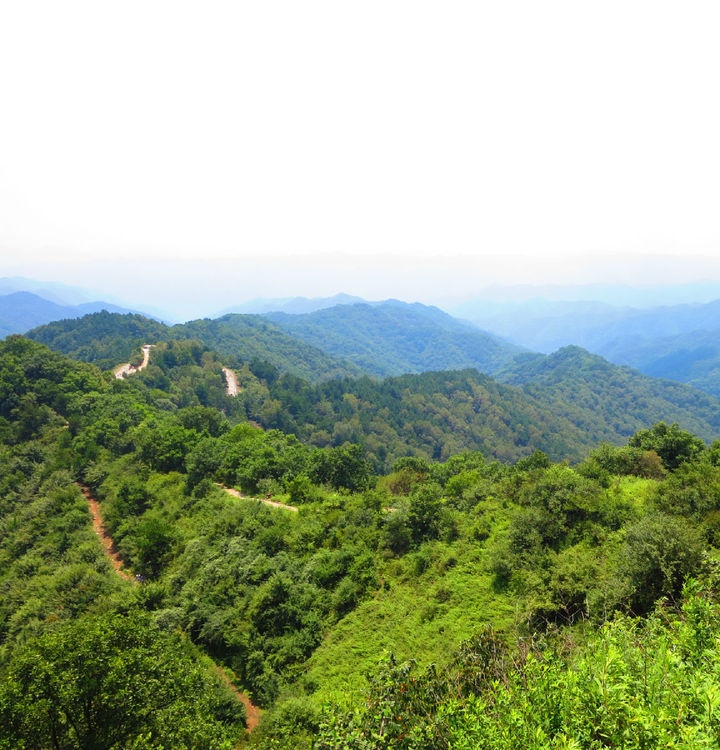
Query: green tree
column 673, row 445
column 658, row 554
column 111, row 681
column 343, row 467
column 153, row 542
column 424, row 512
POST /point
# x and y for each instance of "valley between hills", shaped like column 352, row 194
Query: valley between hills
column 383, row 526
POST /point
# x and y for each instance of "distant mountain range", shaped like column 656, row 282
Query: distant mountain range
column 382, row 339
column 291, row 305
column 62, row 294
column 21, row 311
column 678, row 341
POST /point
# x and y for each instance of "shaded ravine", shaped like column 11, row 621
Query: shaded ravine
column 252, row 712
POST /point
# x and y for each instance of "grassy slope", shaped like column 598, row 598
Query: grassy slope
column 415, row 615
column 426, row 616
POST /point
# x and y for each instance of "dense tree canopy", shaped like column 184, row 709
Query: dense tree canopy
column 503, row 588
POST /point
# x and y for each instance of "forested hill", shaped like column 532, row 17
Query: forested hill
column 607, row 400
column 457, row 604
column 562, row 404
column 584, row 400
column 107, row 340
column 104, row 339
column 243, row 338
column 678, row 342
column 392, row 338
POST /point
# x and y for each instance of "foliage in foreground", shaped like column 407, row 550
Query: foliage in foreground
column 265, row 590
column 111, row 681
column 634, row 684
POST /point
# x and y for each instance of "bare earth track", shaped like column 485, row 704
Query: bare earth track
column 105, row 539
column 232, row 382
column 263, row 500
column 252, row 711
column 127, row 369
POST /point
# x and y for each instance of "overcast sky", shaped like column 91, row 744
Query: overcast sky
column 520, row 141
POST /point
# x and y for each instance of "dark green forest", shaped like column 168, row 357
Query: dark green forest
column 106, row 339
column 393, row 338
column 452, row 562
column 563, row 404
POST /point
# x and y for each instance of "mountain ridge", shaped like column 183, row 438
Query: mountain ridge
column 394, row 337
column 22, row 311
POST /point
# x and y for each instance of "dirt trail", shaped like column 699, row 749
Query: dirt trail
column 264, row 500
column 127, row 369
column 251, row 710
column 105, row 539
column 232, row 382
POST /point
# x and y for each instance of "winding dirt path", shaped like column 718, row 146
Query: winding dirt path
column 105, row 539
column 263, row 500
column 232, row 382
column 252, row 711
column 127, row 369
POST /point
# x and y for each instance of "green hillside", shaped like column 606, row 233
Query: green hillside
column 392, row 338
column 103, row 338
column 244, row 338
column 461, row 602
column 109, row 339
column 563, row 405
column 607, row 401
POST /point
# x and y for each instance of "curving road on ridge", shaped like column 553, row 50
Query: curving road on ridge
column 127, row 369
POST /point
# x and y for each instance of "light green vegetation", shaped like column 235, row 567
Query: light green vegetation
column 631, row 684
column 493, row 577
column 415, row 615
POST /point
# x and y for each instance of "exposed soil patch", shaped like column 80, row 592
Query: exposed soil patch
column 232, row 382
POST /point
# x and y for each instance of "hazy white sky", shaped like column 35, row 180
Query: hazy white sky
column 532, row 136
